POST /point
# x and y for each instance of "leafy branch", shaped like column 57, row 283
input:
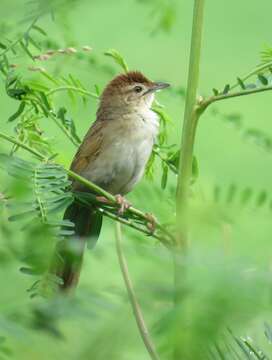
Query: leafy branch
column 203, row 104
column 22, row 40
column 136, row 216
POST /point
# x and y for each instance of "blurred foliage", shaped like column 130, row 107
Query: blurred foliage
column 226, row 309
column 162, row 14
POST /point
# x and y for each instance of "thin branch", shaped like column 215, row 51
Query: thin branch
column 72, row 88
column 171, row 166
column 53, row 116
column 12, row 140
column 133, row 225
column 132, row 296
column 112, row 199
column 96, row 189
column 205, row 103
column 255, row 71
column 15, row 42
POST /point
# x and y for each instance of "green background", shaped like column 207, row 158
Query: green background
column 228, row 240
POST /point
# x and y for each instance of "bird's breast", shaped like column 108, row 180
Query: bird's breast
column 126, row 148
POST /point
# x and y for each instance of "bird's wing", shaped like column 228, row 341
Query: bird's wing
column 89, row 149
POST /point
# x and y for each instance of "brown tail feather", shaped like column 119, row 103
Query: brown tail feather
column 69, row 252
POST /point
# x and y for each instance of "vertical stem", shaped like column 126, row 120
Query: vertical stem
column 191, row 116
column 132, row 296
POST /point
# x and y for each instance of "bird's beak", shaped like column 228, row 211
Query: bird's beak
column 157, row 86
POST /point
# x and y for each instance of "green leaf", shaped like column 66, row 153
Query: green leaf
column 173, row 158
column 18, row 112
column 117, row 57
column 25, row 48
column 64, row 232
column 97, row 90
column 39, row 29
column 2, row 46
column 164, row 176
column 29, row 271
column 45, row 100
column 231, row 193
column 261, row 199
column 241, row 83
column 50, row 78
column 246, row 195
column 263, row 79
column 226, row 89
column 215, row 91
column 34, row 43
column 149, row 169
column 217, row 193
column 21, row 216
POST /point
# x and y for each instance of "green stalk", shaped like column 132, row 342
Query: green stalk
column 72, row 88
column 137, row 311
column 191, row 116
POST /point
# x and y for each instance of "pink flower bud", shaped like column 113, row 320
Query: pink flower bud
column 36, row 69
column 86, row 48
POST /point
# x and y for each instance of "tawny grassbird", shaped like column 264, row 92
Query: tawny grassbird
column 113, row 155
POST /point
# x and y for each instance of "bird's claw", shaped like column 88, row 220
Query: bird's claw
column 102, row 199
column 123, row 203
column 151, row 222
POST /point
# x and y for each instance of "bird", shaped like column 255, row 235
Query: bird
column 113, row 155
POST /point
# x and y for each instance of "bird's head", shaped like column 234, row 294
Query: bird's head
column 131, row 91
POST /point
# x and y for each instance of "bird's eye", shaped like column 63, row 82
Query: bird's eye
column 138, row 89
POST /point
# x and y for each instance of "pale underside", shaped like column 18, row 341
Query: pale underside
column 114, row 152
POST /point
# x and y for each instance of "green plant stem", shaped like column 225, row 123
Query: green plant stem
column 131, row 224
column 72, row 88
column 17, row 41
column 97, row 190
column 190, row 121
column 191, row 113
column 171, row 166
column 253, row 72
column 53, row 116
column 205, row 103
column 12, row 140
column 138, row 314
column 62, row 128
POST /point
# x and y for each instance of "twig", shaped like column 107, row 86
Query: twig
column 132, row 224
column 12, row 140
column 171, row 166
column 206, row 102
column 72, row 88
column 15, row 42
column 132, row 296
column 53, row 116
column 255, row 71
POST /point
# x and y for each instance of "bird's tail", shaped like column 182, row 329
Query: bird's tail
column 69, row 252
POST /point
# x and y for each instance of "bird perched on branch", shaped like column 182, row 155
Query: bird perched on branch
column 113, row 155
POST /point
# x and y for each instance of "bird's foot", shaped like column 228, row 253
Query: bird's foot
column 123, row 204
column 103, row 200
column 151, row 222
column 120, row 200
